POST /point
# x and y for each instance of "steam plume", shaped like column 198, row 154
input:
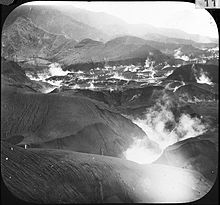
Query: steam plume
column 163, row 127
column 203, row 78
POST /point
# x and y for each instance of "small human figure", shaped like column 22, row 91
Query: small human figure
column 101, row 151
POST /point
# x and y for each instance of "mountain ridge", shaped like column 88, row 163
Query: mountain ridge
column 106, row 26
column 23, row 40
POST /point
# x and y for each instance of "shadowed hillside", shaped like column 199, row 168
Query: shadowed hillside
column 86, row 178
column 97, row 109
column 12, row 75
column 188, row 73
column 199, row 153
column 196, row 92
column 73, row 123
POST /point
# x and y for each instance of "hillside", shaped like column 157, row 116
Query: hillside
column 109, row 103
column 56, row 22
column 12, row 75
column 69, row 123
column 199, row 153
column 189, row 73
column 118, row 49
column 122, row 100
column 88, row 178
column 195, row 92
column 25, row 42
column 82, row 23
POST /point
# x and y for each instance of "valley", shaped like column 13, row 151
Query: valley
column 93, row 116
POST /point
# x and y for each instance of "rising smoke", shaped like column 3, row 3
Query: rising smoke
column 56, row 70
column 163, row 126
column 203, row 78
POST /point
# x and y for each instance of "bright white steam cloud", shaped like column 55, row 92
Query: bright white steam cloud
column 56, row 70
column 160, row 125
column 204, row 79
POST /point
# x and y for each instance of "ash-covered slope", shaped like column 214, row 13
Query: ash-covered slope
column 195, row 92
column 72, row 123
column 128, row 97
column 128, row 101
column 192, row 72
column 13, row 71
column 199, row 153
column 135, row 101
column 12, row 75
column 119, row 49
column 32, row 174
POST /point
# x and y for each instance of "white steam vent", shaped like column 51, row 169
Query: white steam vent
column 203, row 78
column 56, row 70
column 160, row 125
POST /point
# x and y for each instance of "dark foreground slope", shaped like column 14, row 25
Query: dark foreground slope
column 57, row 176
column 199, row 153
column 61, row 122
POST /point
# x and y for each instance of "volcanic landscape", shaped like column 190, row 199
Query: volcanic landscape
column 90, row 116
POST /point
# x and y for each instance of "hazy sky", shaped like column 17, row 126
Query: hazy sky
column 180, row 15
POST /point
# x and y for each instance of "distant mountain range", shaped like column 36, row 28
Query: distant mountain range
column 75, row 133
column 56, row 22
column 79, row 23
column 24, row 41
column 74, row 36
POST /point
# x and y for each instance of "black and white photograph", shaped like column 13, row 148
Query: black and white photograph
column 109, row 102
